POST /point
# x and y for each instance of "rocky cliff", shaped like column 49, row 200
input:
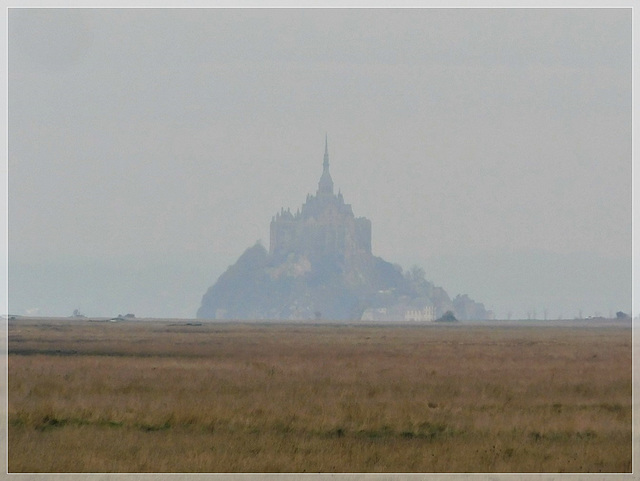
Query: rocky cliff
column 259, row 286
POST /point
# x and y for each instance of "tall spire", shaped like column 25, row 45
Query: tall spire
column 325, row 164
column 326, row 183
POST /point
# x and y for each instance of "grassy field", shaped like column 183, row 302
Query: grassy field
column 152, row 396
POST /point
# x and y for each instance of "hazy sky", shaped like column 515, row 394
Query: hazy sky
column 148, row 148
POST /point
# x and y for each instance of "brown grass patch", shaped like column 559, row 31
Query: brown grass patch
column 155, row 397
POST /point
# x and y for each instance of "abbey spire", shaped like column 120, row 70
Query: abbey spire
column 325, row 164
column 325, row 186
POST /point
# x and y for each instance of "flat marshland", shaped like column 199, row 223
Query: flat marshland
column 163, row 396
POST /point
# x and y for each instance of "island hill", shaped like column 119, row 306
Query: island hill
column 320, row 266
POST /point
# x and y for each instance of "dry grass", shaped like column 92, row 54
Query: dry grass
column 156, row 397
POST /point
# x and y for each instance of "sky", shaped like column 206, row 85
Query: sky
column 148, row 148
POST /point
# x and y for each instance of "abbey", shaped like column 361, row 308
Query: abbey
column 320, row 266
column 325, row 227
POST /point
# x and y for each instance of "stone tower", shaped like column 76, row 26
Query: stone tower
column 325, row 227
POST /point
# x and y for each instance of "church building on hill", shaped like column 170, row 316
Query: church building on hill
column 324, row 227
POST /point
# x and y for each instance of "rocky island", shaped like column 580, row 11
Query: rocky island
column 320, row 266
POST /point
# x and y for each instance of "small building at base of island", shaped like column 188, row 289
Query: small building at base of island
column 399, row 314
column 426, row 314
